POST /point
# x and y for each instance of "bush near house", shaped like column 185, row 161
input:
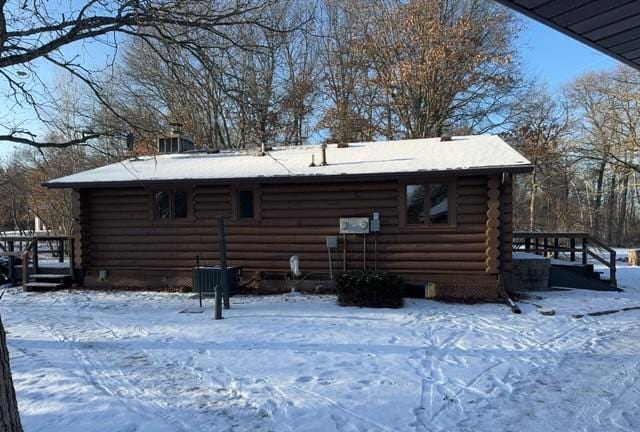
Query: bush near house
column 370, row 289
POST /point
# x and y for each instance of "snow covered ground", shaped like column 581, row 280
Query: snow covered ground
column 95, row 361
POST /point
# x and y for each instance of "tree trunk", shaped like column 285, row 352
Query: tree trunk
column 9, row 417
column 532, row 202
column 611, row 217
column 598, row 200
column 622, row 211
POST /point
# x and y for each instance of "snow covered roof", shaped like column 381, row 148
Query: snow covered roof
column 417, row 156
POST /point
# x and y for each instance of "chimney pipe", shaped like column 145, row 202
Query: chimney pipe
column 313, row 161
column 324, row 154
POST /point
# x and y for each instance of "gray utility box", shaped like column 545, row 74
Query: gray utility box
column 354, row 225
column 332, row 242
column 206, row 279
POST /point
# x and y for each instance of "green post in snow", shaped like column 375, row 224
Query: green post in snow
column 223, row 263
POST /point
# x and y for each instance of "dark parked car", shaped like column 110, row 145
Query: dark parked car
column 4, row 268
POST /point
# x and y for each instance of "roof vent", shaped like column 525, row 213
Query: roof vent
column 323, row 147
column 445, row 137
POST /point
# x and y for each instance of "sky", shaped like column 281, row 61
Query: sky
column 548, row 55
column 556, row 58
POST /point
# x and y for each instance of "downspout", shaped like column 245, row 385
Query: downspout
column 503, row 292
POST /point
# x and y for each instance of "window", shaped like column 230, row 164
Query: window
column 162, row 207
column 428, row 204
column 439, row 204
column 245, row 204
column 186, row 145
column 415, row 204
column 171, row 205
column 180, row 205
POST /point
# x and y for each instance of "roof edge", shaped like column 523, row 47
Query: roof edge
column 514, row 169
column 547, row 22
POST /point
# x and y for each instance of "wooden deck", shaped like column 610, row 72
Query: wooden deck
column 25, row 263
column 567, row 246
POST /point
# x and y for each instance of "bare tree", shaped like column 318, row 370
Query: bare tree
column 35, row 32
column 607, row 110
column 538, row 133
column 351, row 112
column 443, row 64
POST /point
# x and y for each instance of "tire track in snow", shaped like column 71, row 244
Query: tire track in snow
column 121, row 388
column 89, row 376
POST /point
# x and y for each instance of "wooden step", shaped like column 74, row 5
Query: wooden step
column 568, row 277
column 64, row 280
column 43, row 286
column 49, row 277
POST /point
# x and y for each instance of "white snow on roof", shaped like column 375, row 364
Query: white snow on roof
column 381, row 157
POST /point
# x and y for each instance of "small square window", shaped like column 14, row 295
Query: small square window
column 428, row 205
column 185, row 145
column 171, row 205
column 245, row 204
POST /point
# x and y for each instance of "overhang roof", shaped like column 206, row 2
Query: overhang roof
column 610, row 26
column 481, row 153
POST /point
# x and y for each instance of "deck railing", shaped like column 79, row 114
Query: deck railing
column 567, row 246
column 27, row 248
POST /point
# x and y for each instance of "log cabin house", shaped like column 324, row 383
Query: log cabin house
column 437, row 211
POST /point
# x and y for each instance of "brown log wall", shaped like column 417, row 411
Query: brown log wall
column 119, row 235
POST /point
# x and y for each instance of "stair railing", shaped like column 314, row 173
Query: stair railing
column 26, row 248
column 25, row 253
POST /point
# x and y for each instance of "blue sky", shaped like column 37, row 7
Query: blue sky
column 546, row 54
column 556, row 58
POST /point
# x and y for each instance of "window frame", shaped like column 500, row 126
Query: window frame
column 172, row 219
column 426, row 183
column 235, row 202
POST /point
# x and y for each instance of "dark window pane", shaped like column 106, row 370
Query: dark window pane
column 161, row 145
column 415, row 204
column 180, row 205
column 174, row 145
column 186, row 145
column 439, row 204
column 162, row 207
column 245, row 204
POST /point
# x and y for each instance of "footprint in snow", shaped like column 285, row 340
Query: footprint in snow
column 304, row 379
column 393, row 340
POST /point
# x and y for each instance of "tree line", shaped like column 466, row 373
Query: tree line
column 584, row 146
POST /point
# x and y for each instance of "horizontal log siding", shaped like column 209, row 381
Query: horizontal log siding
column 295, row 220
